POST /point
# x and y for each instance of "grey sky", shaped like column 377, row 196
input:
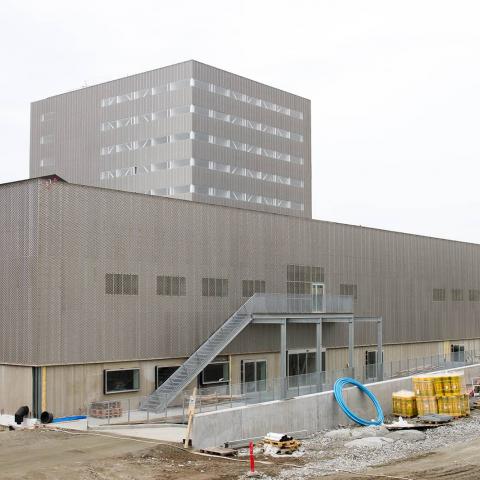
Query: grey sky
column 395, row 88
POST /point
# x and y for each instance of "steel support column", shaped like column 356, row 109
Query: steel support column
column 283, row 357
column 351, row 344
column 319, row 347
column 380, row 349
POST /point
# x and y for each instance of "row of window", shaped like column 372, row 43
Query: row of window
column 457, row 295
column 209, row 87
column 201, row 137
column 247, row 197
column 205, row 112
column 195, row 162
column 176, row 286
column 227, row 194
column 128, row 379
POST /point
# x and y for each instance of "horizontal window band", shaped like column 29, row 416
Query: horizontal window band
column 209, row 87
column 194, row 162
column 204, row 112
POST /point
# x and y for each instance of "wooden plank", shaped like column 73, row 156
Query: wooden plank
column 191, row 413
column 220, row 451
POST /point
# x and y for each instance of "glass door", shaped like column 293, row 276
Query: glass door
column 317, row 297
column 254, row 376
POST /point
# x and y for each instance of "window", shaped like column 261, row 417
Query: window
column 171, row 286
column 46, row 117
column 121, row 284
column 474, row 295
column 438, row 294
column 254, row 375
column 457, row 294
column 457, row 353
column 124, row 380
column 301, row 277
column 46, row 139
column 371, row 363
column 214, row 287
column 216, row 372
column 249, row 287
column 300, row 365
column 349, row 290
column 162, row 374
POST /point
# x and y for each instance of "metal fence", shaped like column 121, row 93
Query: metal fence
column 240, row 394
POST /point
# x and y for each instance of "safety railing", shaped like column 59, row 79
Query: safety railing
column 234, row 395
column 278, row 303
column 411, row 366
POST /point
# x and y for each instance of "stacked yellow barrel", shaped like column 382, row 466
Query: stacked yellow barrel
column 441, row 393
column 452, row 398
column 404, row 404
column 424, row 389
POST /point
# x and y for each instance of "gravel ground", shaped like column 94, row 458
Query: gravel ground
column 325, row 456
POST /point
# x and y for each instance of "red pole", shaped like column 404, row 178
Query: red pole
column 252, row 460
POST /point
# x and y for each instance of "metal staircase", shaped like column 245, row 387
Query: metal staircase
column 189, row 370
column 259, row 303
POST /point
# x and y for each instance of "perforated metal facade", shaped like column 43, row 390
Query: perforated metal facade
column 189, row 131
column 59, row 241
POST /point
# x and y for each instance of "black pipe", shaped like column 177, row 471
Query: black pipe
column 46, row 417
column 20, row 413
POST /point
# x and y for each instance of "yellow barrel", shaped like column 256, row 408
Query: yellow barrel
column 454, row 405
column 404, row 404
column 423, row 386
column 457, row 384
column 449, row 384
column 441, row 385
column 465, row 398
column 427, row 405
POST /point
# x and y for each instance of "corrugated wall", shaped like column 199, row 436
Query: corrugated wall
column 88, row 232
column 70, row 124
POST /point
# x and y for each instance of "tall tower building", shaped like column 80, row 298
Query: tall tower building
column 188, row 130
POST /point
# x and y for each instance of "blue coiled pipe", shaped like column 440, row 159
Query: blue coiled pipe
column 338, row 392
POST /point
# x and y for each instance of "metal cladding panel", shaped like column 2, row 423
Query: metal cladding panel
column 68, row 131
column 18, row 271
column 76, row 117
column 56, row 275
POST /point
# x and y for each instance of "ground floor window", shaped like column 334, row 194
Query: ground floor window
column 216, row 372
column 124, row 380
column 371, row 363
column 254, row 375
column 300, row 365
column 162, row 374
column 457, row 353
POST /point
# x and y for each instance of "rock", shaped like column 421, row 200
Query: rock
column 373, row 431
column 340, row 434
column 369, row 442
column 407, row 435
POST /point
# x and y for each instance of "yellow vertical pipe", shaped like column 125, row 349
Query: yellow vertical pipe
column 44, row 389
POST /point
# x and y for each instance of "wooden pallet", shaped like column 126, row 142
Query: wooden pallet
column 285, row 447
column 219, row 451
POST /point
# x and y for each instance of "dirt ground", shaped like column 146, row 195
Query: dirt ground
column 50, row 455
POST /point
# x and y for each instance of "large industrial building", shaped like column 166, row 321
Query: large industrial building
column 107, row 284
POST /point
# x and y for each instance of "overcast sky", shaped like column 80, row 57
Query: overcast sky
column 395, row 88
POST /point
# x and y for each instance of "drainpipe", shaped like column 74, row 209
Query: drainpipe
column 44, row 389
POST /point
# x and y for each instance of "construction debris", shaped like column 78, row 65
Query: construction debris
column 280, row 444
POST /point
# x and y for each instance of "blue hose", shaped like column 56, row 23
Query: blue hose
column 338, row 392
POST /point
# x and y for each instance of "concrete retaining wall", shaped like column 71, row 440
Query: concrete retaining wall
column 310, row 412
